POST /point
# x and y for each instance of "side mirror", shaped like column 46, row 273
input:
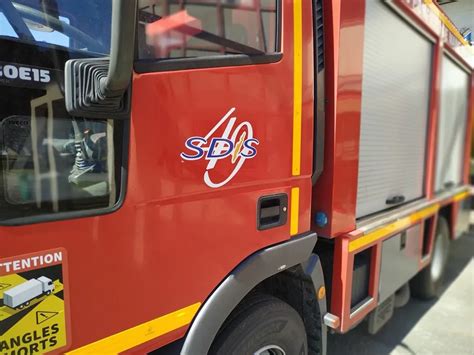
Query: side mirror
column 99, row 87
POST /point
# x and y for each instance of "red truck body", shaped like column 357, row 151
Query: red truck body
column 136, row 276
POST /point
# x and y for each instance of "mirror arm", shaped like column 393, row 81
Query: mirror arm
column 122, row 45
column 99, row 87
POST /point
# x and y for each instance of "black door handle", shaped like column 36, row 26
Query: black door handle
column 403, row 240
column 395, row 200
column 272, row 211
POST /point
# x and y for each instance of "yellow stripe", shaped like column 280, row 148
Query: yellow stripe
column 461, row 196
column 140, row 334
column 400, row 224
column 446, row 21
column 294, row 210
column 297, row 85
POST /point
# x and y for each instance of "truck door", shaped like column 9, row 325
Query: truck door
column 216, row 93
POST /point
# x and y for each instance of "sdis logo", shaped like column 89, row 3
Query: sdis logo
column 235, row 144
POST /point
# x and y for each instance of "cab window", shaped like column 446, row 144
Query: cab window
column 171, row 29
column 52, row 165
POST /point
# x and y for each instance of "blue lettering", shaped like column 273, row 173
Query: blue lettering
column 220, row 143
column 192, row 144
column 252, row 150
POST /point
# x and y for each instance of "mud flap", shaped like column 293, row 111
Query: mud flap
column 381, row 314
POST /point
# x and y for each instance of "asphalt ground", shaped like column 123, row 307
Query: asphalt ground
column 444, row 326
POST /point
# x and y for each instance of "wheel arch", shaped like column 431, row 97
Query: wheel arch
column 252, row 272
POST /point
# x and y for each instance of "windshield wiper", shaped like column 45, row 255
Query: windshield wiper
column 16, row 21
column 60, row 26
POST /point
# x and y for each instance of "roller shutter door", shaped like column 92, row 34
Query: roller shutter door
column 395, row 100
column 451, row 125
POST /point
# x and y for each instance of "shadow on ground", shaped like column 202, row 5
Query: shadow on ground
column 443, row 326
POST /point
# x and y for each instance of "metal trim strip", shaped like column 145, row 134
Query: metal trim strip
column 388, row 225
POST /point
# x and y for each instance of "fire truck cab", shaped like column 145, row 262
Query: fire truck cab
column 227, row 176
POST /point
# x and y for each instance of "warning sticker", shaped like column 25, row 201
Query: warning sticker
column 32, row 303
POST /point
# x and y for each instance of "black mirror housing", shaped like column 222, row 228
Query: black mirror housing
column 99, row 87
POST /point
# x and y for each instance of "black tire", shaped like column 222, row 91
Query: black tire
column 259, row 322
column 427, row 283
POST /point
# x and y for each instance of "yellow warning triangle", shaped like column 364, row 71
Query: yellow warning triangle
column 42, row 316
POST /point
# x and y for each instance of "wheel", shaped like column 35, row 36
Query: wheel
column 27, row 303
column 21, row 306
column 427, row 283
column 264, row 325
column 48, row 293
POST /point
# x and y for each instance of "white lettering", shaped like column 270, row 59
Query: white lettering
column 58, row 256
column 35, row 74
column 16, row 265
column 7, row 266
column 35, row 260
column 45, row 78
column 25, row 263
column 31, row 262
column 25, row 73
column 10, row 72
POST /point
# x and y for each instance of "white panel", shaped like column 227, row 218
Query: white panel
column 451, row 126
column 403, row 259
column 395, row 100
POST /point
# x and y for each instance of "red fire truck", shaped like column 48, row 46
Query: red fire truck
column 226, row 176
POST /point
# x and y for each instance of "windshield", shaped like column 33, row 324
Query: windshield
column 76, row 25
